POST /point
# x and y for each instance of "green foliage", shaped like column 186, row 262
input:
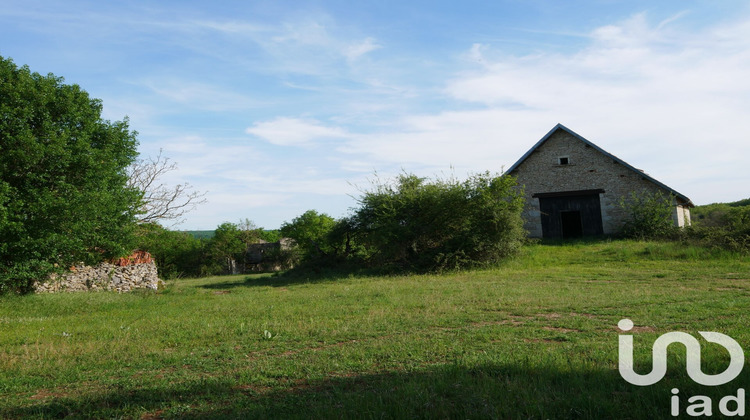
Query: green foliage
column 311, row 232
column 723, row 225
column 444, row 224
column 717, row 214
column 200, row 234
column 741, row 203
column 63, row 194
column 177, row 254
column 272, row 235
column 226, row 247
column 650, row 215
column 181, row 254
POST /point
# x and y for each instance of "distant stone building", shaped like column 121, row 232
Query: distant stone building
column 574, row 188
column 269, row 256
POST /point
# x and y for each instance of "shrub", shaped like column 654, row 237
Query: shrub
column 444, row 224
column 650, row 216
column 723, row 226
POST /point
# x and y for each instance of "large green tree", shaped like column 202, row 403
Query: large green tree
column 63, row 182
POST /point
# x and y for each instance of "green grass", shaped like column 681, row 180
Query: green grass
column 534, row 338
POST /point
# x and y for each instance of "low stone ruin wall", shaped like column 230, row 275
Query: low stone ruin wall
column 125, row 275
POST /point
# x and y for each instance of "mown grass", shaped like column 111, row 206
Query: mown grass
column 534, row 338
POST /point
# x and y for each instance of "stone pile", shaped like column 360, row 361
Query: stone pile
column 105, row 276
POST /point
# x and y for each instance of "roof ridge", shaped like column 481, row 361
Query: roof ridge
column 560, row 126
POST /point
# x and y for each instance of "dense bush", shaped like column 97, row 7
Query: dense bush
column 649, row 216
column 63, row 191
column 177, row 254
column 722, row 225
column 444, row 224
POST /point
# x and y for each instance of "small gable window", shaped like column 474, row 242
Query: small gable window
column 563, row 160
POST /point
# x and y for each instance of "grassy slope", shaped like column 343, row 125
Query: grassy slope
column 535, row 338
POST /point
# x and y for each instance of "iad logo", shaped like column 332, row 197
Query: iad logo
column 693, row 357
column 702, row 405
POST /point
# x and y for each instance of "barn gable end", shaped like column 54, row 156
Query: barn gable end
column 573, row 187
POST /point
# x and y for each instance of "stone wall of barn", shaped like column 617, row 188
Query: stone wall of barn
column 582, row 168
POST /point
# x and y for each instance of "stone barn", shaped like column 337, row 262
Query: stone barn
column 574, row 188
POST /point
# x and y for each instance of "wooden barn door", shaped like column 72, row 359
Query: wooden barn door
column 571, row 214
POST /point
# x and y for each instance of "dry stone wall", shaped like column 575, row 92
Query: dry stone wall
column 104, row 276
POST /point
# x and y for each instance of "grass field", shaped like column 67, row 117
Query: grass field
column 534, row 338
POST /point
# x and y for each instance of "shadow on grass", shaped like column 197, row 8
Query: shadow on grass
column 446, row 391
column 300, row 275
column 583, row 240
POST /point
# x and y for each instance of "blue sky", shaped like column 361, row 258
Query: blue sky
column 275, row 107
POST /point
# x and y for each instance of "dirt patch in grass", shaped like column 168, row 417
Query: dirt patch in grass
column 550, row 315
column 44, row 394
column 155, row 415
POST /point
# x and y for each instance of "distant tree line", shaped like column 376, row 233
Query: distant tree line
column 181, row 254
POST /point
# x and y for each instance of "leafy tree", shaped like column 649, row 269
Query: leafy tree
column 269, row 235
column 177, row 254
column 443, row 224
column 63, row 185
column 227, row 247
column 224, row 249
column 310, row 231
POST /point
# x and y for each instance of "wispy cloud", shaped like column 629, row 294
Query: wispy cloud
column 276, row 111
column 285, row 131
column 200, row 96
column 357, row 50
column 649, row 92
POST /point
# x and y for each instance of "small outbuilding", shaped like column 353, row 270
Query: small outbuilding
column 574, row 188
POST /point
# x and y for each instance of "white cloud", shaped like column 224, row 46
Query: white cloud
column 357, row 50
column 670, row 101
column 285, row 131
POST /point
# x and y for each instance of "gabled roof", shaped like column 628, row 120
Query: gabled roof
column 602, row 151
